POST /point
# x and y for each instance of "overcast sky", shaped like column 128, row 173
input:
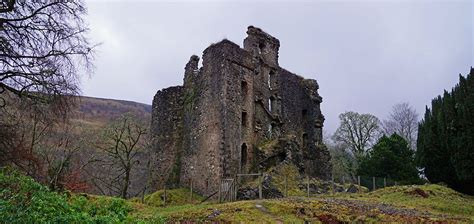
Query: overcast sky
column 365, row 55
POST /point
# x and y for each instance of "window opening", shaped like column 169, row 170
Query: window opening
column 244, row 87
column 244, row 119
column 243, row 154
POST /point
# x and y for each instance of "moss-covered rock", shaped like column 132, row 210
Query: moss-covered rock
column 285, row 149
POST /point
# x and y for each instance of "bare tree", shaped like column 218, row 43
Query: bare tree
column 120, row 143
column 358, row 131
column 59, row 154
column 42, row 48
column 26, row 129
column 403, row 120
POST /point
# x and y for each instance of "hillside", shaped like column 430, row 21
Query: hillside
column 98, row 111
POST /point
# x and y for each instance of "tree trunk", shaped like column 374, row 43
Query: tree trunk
column 127, row 181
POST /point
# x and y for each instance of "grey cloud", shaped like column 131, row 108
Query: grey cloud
column 366, row 55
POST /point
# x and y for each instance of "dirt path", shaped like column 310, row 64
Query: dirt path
column 264, row 210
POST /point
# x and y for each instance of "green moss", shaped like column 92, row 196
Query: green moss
column 316, row 210
column 433, row 198
column 294, row 210
column 267, row 145
column 189, row 98
column 240, row 212
column 174, row 197
column 287, row 177
column 174, row 177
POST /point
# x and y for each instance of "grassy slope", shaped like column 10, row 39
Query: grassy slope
column 395, row 204
column 22, row 201
column 180, row 196
column 96, row 112
column 434, row 198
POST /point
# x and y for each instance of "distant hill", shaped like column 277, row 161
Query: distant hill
column 99, row 111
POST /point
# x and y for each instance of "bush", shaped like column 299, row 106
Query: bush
column 102, row 209
column 22, row 200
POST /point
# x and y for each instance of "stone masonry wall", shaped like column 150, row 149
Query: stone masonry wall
column 214, row 126
column 166, row 126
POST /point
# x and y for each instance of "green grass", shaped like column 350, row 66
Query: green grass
column 439, row 199
column 443, row 204
column 287, row 176
column 180, row 196
column 22, row 200
column 242, row 211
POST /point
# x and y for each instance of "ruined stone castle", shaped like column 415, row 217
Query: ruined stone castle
column 238, row 113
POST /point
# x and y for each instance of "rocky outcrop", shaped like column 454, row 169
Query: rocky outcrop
column 269, row 190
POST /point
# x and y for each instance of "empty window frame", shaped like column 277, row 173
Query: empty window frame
column 243, row 155
column 244, row 119
column 244, row 87
column 269, row 104
column 271, row 74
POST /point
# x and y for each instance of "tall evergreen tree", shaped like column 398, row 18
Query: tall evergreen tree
column 391, row 157
column 446, row 137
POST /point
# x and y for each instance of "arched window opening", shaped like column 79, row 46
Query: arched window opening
column 271, row 104
column 243, row 155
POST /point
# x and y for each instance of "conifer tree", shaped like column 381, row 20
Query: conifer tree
column 446, row 137
column 391, row 157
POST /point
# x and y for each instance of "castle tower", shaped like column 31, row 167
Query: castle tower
column 215, row 126
column 263, row 45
